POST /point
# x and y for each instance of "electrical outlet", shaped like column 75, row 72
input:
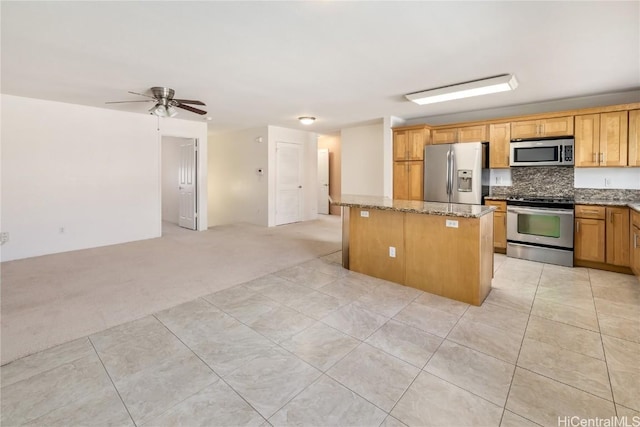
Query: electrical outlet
column 364, row 214
column 4, row 237
column 392, row 252
column 607, row 182
column 451, row 223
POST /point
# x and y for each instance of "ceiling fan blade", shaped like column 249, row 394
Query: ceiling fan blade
column 187, row 101
column 141, row 94
column 192, row 109
column 122, row 102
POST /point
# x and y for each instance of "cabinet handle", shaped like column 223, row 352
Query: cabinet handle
column 604, row 158
column 600, row 161
column 635, row 241
column 577, row 227
column 611, row 217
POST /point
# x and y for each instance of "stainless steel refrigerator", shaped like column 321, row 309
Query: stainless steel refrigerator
column 456, row 173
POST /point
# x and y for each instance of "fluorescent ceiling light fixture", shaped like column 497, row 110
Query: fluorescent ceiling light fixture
column 306, row 120
column 501, row 83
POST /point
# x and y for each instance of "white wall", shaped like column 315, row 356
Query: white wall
column 309, row 141
column 170, row 182
column 619, row 178
column 75, row 177
column 236, row 192
column 363, row 160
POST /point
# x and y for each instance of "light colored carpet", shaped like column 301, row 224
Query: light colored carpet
column 56, row 298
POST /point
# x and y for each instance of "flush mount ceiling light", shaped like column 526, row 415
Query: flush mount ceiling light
column 465, row 90
column 307, row 120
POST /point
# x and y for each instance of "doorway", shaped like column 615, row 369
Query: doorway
column 323, row 181
column 289, row 196
column 179, row 181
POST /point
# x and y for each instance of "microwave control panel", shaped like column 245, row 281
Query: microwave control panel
column 568, row 153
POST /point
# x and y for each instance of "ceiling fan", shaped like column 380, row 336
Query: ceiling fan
column 165, row 103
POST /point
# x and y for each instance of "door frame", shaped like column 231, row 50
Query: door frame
column 201, row 177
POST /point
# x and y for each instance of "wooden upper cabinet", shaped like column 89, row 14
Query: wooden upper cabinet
column 634, row 138
column 601, row 139
column 613, row 138
column 587, row 140
column 408, row 144
column 400, row 145
column 461, row 134
column 499, row 139
column 557, row 126
column 417, row 141
column 444, row 136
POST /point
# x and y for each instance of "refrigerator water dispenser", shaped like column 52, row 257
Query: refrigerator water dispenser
column 465, row 180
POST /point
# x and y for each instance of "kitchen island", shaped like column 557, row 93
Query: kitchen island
column 442, row 248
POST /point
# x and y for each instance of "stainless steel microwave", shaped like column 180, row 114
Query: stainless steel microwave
column 542, row 152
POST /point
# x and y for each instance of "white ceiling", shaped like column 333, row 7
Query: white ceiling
column 259, row 63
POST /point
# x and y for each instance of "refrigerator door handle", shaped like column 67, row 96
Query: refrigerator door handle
column 452, row 163
column 447, row 183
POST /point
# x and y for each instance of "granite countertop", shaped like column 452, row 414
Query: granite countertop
column 598, row 202
column 498, row 197
column 413, row 206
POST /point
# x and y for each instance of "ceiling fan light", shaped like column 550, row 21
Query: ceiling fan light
column 172, row 112
column 306, row 120
column 159, row 110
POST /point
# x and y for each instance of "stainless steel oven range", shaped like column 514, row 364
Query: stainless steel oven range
column 540, row 229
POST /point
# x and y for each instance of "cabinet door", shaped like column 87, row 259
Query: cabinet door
column 499, row 139
column 401, row 180
column 417, row 141
column 444, row 136
column 400, row 145
column 613, row 138
column 634, row 138
column 589, row 240
column 635, row 250
column 558, row 126
column 416, row 180
column 587, row 140
column 617, row 231
column 524, row 129
column 473, row 134
column 499, row 230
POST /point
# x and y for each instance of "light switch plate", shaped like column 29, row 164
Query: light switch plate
column 392, row 252
column 452, row 223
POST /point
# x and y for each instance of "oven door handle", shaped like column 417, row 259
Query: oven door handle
column 541, row 211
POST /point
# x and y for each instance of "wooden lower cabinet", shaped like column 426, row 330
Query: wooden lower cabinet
column 589, row 240
column 602, row 235
column 454, row 262
column 408, row 180
column 499, row 225
column 617, row 231
column 634, row 246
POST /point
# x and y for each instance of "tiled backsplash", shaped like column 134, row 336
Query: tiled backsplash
column 553, row 181
column 556, row 181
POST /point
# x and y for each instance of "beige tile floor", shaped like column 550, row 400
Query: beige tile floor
column 319, row 345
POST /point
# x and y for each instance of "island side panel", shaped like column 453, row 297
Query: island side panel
column 486, row 256
column 444, row 260
column 369, row 240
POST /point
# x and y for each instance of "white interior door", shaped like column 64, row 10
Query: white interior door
column 323, row 181
column 187, row 184
column 288, row 182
